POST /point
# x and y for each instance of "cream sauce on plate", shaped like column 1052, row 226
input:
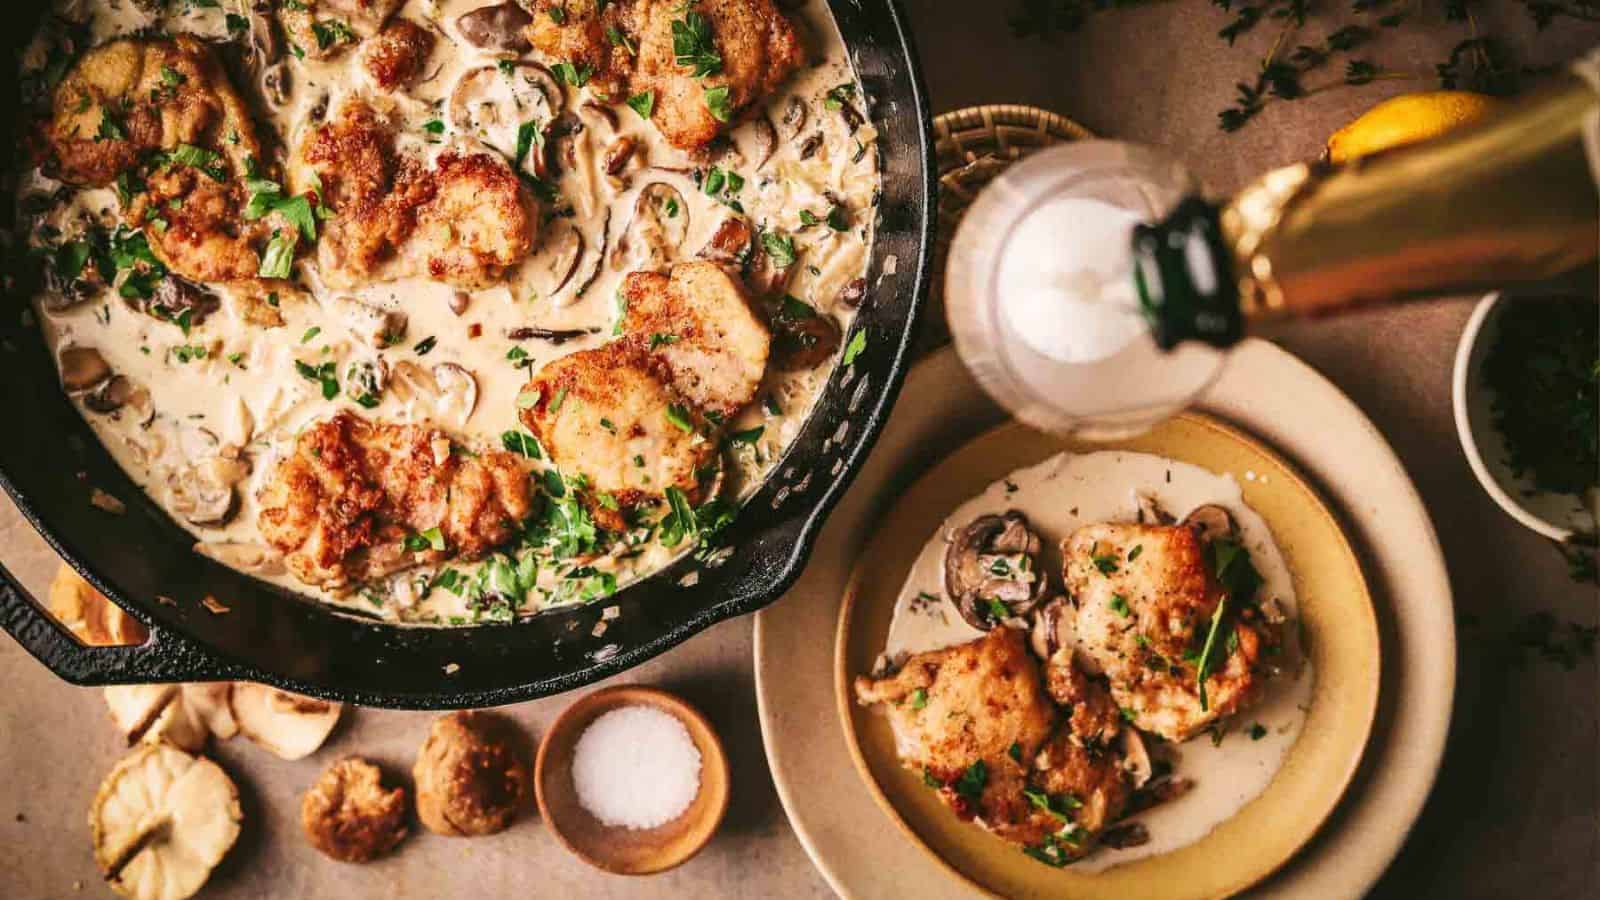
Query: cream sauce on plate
column 1068, row 491
column 230, row 386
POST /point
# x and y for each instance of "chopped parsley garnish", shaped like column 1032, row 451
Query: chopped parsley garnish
column 557, row 400
column 311, row 332
column 425, row 345
column 719, row 104
column 432, row 539
column 1119, row 605
column 433, row 126
column 326, row 375
column 1057, row 805
column 973, row 780
column 779, row 247
column 277, row 260
column 528, row 136
column 186, row 352
column 558, row 15
column 1230, row 562
column 998, row 611
column 618, row 39
column 1015, row 751
column 643, row 103
column 1203, row 663
column 678, row 415
column 919, row 698
column 110, row 128
column 519, row 441
column 857, row 344
column 1258, row 731
column 748, row 436
column 1134, row 553
column 839, row 95
column 332, row 32
column 659, row 339
column 267, row 197
column 693, row 47
column 577, row 76
column 1106, row 564
column 207, row 161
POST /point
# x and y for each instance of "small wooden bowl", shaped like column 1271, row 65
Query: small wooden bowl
column 620, row 850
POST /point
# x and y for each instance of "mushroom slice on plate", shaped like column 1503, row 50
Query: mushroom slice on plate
column 1210, row 522
column 155, row 712
column 992, row 572
column 286, row 725
column 161, row 821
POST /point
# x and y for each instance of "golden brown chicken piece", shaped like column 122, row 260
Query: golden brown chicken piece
column 605, row 415
column 699, row 326
column 976, row 721
column 741, row 51
column 466, row 221
column 1145, row 598
column 163, row 109
column 323, row 28
column 394, row 56
column 341, row 506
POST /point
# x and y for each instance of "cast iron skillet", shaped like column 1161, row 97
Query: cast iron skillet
column 51, row 461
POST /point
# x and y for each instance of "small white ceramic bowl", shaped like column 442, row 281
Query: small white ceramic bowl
column 1556, row 516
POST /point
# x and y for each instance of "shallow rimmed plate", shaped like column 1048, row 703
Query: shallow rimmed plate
column 1276, row 397
column 1338, row 618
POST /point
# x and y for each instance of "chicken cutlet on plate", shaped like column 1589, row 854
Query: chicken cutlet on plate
column 977, row 722
column 1155, row 604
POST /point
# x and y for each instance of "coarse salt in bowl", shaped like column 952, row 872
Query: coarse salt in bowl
column 636, row 767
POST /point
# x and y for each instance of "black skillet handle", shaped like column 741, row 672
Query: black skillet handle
column 165, row 657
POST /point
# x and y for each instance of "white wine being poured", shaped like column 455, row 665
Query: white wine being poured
column 1093, row 291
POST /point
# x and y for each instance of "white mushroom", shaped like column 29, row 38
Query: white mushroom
column 659, row 225
column 257, row 559
column 558, row 258
column 447, row 393
column 370, row 324
column 161, row 821
column 507, row 108
column 286, row 725
column 83, row 368
column 1136, row 758
column 181, row 714
column 203, row 492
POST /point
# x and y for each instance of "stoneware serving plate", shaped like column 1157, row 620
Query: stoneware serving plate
column 1284, row 404
column 1335, row 611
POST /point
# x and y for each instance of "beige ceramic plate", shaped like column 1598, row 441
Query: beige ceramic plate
column 1264, row 390
column 1334, row 606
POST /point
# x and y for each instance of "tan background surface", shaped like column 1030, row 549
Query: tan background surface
column 1517, row 811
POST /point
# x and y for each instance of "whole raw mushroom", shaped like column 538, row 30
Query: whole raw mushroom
column 471, row 774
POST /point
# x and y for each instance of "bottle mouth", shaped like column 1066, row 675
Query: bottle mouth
column 1184, row 278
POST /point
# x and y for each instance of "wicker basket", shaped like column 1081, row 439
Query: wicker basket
column 972, row 147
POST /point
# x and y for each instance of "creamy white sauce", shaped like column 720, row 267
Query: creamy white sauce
column 232, row 384
column 1068, row 491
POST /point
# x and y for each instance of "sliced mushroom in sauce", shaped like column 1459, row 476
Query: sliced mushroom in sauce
column 992, row 570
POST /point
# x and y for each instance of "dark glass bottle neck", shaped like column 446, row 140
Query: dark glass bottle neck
column 1184, row 275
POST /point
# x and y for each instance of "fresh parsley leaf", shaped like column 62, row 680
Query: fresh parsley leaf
column 277, row 260
column 857, row 344
column 643, row 103
column 719, row 104
column 693, row 47
column 779, row 247
column 519, row 441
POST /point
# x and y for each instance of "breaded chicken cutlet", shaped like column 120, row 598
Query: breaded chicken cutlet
column 640, row 415
column 159, row 117
column 1147, row 599
column 345, row 504
column 704, row 65
column 465, row 221
column 975, row 720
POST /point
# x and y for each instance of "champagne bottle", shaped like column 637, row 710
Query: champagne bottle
column 1093, row 290
column 1511, row 200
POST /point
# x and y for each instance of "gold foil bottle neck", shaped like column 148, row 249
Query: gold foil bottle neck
column 1247, row 221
